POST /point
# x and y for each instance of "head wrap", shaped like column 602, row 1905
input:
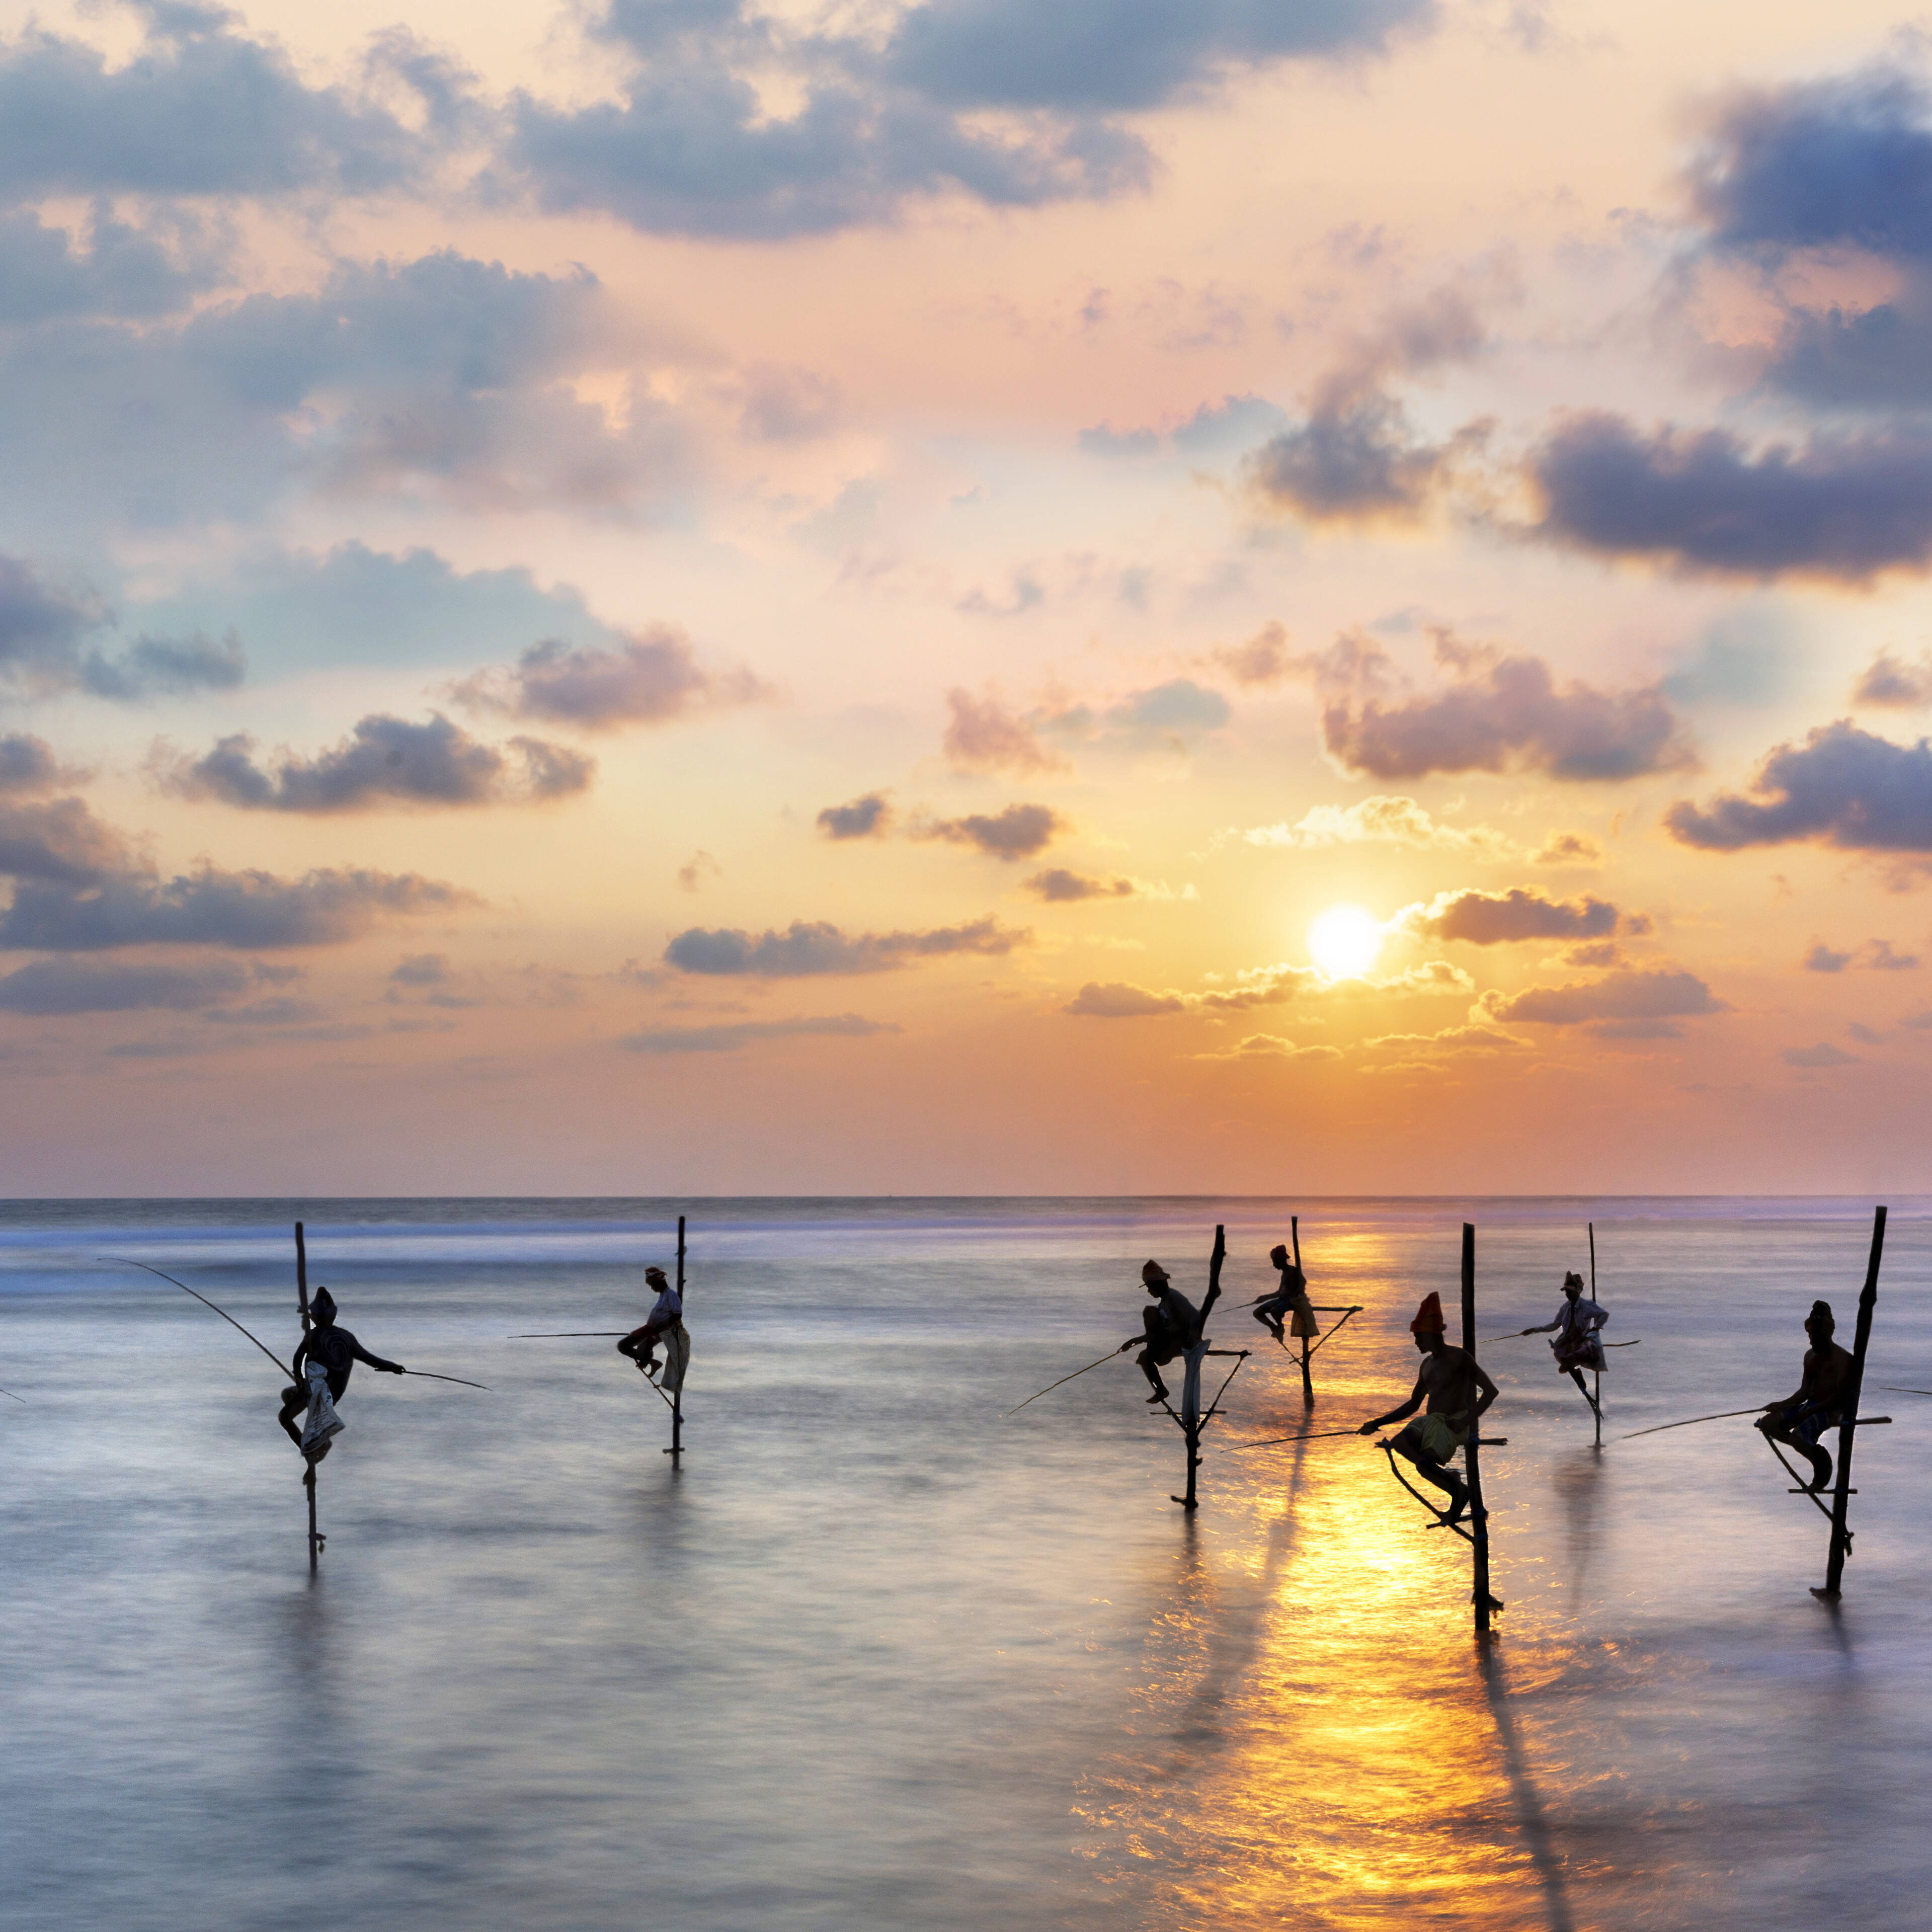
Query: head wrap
column 323, row 1306
column 655, row 1274
column 1153, row 1274
column 1428, row 1316
column 1821, row 1311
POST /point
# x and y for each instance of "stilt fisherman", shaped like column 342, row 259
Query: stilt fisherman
column 323, row 1365
column 1452, row 1383
column 1819, row 1403
column 1573, row 1334
column 665, row 1323
column 1290, row 1300
column 1171, row 1324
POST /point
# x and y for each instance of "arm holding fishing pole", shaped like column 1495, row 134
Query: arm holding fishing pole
column 1408, row 1408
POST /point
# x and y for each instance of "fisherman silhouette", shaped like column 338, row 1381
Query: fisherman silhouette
column 1291, row 1298
column 323, row 1365
column 1457, row 1392
column 1172, row 1325
column 1576, row 1346
column 665, row 1323
column 1819, row 1403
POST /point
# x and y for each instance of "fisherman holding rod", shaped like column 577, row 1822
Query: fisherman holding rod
column 665, row 1323
column 1170, row 1325
column 1820, row 1399
column 1290, row 1299
column 1451, row 1382
column 1575, row 1333
column 323, row 1361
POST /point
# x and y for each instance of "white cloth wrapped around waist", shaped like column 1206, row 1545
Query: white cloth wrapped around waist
column 323, row 1424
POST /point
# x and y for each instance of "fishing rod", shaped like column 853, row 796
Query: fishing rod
column 1724, row 1416
column 1052, row 1386
column 17, row 1398
column 123, row 1260
column 1320, row 1436
column 1892, row 1388
column 430, row 1375
column 562, row 1334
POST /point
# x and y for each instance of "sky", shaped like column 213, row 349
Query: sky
column 945, row 596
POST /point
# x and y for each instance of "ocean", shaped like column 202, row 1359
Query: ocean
column 877, row 1656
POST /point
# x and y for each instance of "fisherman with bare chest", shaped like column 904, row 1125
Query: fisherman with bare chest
column 1453, row 1391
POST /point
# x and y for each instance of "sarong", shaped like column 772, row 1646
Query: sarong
column 1434, row 1437
column 677, row 1341
column 1586, row 1353
column 1808, row 1421
column 323, row 1424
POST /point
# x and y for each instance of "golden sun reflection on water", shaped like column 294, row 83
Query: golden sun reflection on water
column 1320, row 1740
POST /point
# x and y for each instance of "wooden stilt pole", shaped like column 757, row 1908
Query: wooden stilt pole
column 1307, row 1381
column 1597, row 1400
column 677, row 1394
column 1479, row 1517
column 1841, row 1534
column 308, row 1480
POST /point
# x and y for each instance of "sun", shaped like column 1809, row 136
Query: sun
column 1346, row 942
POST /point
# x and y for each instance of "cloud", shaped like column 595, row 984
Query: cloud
column 1113, row 1000
column 198, row 109
column 1842, row 507
column 60, row 843
column 28, row 765
column 804, row 949
column 51, row 986
column 1823, row 1055
column 868, row 818
column 123, row 273
column 1383, row 819
column 1058, row 887
column 1568, row 848
column 1355, row 457
column 245, row 910
column 1875, row 956
column 692, row 874
column 1498, row 713
column 1457, row 1039
column 1841, row 787
column 650, row 679
column 166, row 667
column 1017, row 832
column 385, row 760
column 1180, row 705
column 729, row 1038
column 983, row 735
column 1623, row 1000
column 1496, row 919
column 1888, row 682
column 1272, row 1046
column 1257, row 661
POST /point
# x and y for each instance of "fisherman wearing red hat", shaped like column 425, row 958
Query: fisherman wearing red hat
column 1452, row 1384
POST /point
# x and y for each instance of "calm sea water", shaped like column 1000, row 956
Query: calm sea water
column 876, row 1658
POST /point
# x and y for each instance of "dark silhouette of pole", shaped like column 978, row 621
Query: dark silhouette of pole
column 1307, row 1381
column 1191, row 1419
column 677, row 1394
column 1596, row 1401
column 1479, row 1522
column 1841, row 1500
column 308, row 1480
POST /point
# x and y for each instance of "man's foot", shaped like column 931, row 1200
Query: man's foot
column 1458, row 1508
column 1821, row 1470
column 1159, row 1395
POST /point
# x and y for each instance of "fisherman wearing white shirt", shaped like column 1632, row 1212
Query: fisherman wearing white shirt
column 665, row 1323
column 1573, row 1333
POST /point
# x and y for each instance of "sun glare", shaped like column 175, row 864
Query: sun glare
column 1346, row 942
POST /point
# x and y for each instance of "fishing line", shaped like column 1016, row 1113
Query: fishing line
column 122, row 1261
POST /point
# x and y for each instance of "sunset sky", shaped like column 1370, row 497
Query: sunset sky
column 690, row 597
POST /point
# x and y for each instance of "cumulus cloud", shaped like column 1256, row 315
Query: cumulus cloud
column 1059, row 886
column 60, row 843
column 729, row 1037
column 1257, row 661
column 1383, row 819
column 1823, row 1055
column 646, row 680
column 104, row 908
column 1115, row 1000
column 1575, row 849
column 1259, row 1046
column 28, row 765
column 1627, row 1004
column 1456, row 1039
column 1841, row 787
column 1875, row 956
column 1017, row 832
column 53, row 986
column 1355, row 457
column 44, row 649
column 982, row 98
column 1843, row 507
column 1889, row 683
column 808, row 948
column 983, row 734
column 1179, row 705
column 384, row 761
column 1496, row 713
column 870, row 817
column 1505, row 918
